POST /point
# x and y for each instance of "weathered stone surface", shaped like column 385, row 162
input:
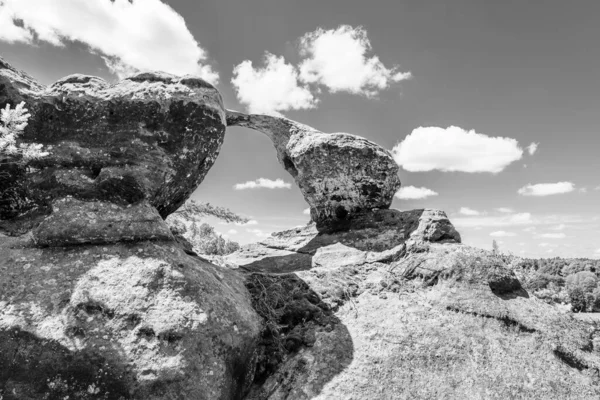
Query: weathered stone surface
column 377, row 235
column 76, row 222
column 151, row 137
column 339, row 174
column 124, row 321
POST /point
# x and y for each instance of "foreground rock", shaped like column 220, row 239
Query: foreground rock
column 98, row 300
column 125, row 321
column 338, row 174
column 149, row 138
column 428, row 318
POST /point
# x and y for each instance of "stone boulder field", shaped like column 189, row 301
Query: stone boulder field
column 100, row 300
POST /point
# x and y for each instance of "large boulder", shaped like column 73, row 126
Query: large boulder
column 98, row 300
column 141, row 320
column 149, row 138
column 339, row 174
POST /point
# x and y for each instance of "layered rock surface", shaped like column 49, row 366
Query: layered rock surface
column 338, row 174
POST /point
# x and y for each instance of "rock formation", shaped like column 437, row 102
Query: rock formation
column 97, row 298
column 419, row 318
column 149, row 138
column 339, row 174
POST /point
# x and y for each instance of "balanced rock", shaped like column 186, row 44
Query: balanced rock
column 149, row 138
column 339, row 174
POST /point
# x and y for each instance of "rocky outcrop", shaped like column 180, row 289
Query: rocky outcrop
column 149, row 138
column 98, row 300
column 367, row 237
column 424, row 319
column 338, row 174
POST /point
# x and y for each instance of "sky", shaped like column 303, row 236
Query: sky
column 490, row 108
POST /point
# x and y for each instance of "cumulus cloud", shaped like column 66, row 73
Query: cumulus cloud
column 306, row 211
column 455, row 149
column 338, row 59
column 272, row 88
column 546, row 189
column 232, row 231
column 258, row 233
column 553, row 235
column 263, row 183
column 494, row 221
column 532, row 148
column 413, row 193
column 504, row 209
column 468, row 211
column 136, row 35
column 502, row 234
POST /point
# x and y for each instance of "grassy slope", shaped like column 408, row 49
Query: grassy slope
column 396, row 338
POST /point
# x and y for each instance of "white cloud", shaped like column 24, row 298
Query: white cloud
column 532, row 148
column 232, row 231
column 493, row 221
column 337, row 59
column 504, row 210
column 553, row 235
column 597, row 251
column 306, row 211
column 455, row 149
column 546, row 189
column 559, row 227
column 137, row 35
column 529, row 229
column 263, row 183
column 413, row 193
column 258, row 233
column 250, row 222
column 468, row 211
column 502, row 234
column 272, row 88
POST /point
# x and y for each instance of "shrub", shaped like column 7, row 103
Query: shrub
column 188, row 223
column 585, row 280
column 578, row 300
column 541, row 281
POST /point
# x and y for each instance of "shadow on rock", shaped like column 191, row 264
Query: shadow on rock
column 303, row 344
column 39, row 365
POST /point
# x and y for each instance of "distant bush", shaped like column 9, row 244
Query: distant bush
column 583, row 292
column 585, row 280
column 188, row 223
column 541, row 281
